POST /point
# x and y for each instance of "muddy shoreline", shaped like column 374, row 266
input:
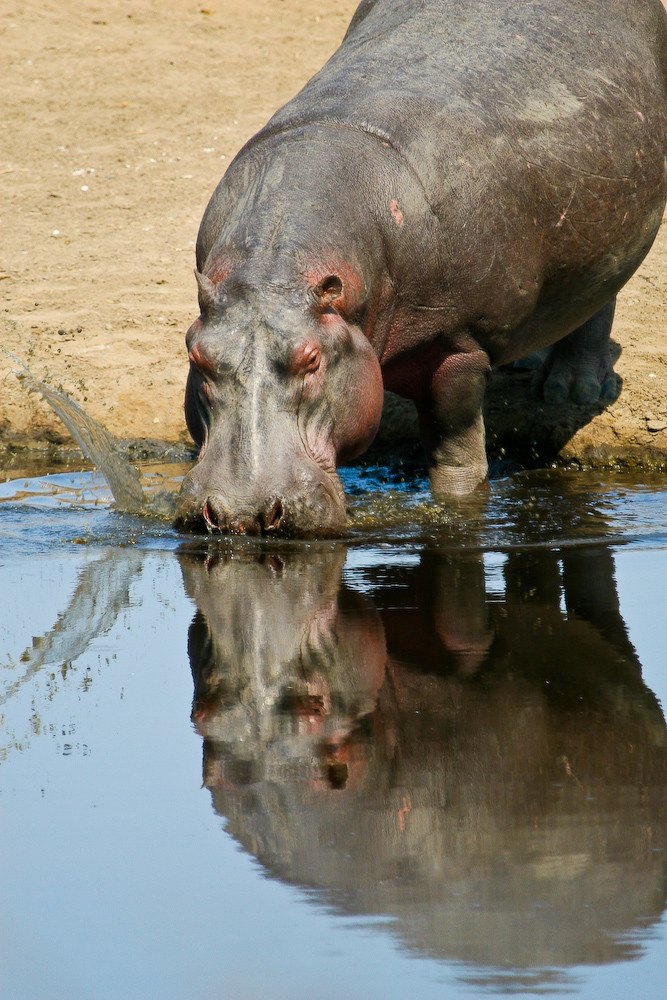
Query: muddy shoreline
column 102, row 199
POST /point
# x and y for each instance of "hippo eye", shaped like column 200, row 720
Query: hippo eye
column 199, row 357
column 193, row 331
column 305, row 359
column 312, row 361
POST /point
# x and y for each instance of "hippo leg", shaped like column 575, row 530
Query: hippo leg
column 579, row 366
column 451, row 424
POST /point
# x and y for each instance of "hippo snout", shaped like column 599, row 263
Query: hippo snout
column 267, row 518
column 315, row 509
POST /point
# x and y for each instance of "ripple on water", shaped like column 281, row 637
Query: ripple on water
column 548, row 508
column 77, row 508
column 386, row 503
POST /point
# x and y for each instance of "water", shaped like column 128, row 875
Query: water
column 429, row 760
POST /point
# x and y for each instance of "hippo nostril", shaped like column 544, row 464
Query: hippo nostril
column 208, row 518
column 276, row 515
column 271, row 516
column 213, row 518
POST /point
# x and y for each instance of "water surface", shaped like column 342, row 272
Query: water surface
column 429, row 760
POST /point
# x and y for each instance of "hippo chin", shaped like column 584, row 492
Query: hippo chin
column 463, row 184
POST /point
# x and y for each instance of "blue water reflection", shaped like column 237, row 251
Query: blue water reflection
column 392, row 768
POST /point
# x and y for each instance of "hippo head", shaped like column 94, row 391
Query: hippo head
column 283, row 385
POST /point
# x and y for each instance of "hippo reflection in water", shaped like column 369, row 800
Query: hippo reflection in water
column 284, row 659
column 488, row 769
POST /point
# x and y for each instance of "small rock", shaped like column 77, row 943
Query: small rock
column 656, row 425
column 650, row 415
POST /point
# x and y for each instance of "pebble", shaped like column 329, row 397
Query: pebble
column 656, row 425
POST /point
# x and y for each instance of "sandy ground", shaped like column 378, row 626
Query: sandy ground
column 118, row 119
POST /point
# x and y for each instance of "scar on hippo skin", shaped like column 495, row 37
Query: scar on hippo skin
column 396, row 212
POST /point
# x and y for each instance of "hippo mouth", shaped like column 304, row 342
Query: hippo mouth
column 267, row 521
column 317, row 513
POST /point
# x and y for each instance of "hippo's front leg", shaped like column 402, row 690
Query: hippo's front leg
column 451, row 423
column 579, row 366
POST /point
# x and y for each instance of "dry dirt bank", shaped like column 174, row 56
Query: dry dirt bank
column 118, row 119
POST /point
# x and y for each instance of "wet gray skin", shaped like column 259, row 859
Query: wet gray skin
column 268, row 401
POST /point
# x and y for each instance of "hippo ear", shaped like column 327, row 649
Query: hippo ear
column 206, row 292
column 327, row 290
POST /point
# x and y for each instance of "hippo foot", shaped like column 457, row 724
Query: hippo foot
column 582, row 381
column 447, row 480
column 579, row 366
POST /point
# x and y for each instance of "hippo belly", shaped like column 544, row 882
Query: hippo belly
column 463, row 183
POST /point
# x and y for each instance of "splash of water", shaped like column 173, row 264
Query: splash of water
column 94, row 440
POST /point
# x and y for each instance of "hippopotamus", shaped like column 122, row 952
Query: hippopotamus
column 464, row 183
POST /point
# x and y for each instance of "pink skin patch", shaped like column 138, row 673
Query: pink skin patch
column 396, row 212
column 219, row 273
column 402, row 813
column 199, row 359
column 219, row 269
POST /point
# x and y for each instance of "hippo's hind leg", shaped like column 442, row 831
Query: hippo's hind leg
column 579, row 366
column 451, row 423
